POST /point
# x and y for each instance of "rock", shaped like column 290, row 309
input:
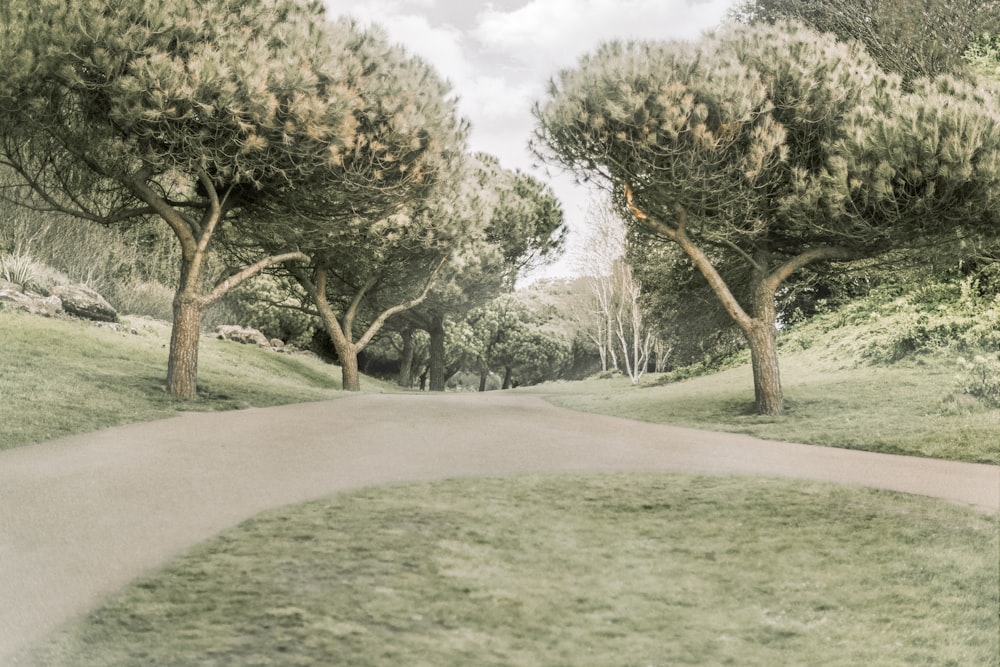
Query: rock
column 277, row 343
column 242, row 335
column 12, row 297
column 84, row 302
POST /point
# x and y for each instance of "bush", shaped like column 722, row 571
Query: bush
column 22, row 270
column 149, row 299
column 18, row 269
column 980, row 377
column 948, row 316
column 274, row 306
column 82, row 252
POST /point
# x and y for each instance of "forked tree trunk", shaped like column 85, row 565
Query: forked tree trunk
column 759, row 327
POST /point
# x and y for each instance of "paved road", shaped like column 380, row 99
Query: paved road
column 80, row 517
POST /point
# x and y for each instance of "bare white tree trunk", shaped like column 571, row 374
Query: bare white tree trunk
column 634, row 338
column 614, row 316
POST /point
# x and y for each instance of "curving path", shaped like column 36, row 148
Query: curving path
column 82, row 516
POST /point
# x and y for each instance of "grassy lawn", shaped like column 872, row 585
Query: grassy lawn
column 59, row 377
column 572, row 571
column 906, row 408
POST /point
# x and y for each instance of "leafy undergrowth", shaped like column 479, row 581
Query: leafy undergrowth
column 901, row 375
column 60, row 377
column 571, row 570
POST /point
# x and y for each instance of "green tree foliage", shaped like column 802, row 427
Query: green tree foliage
column 776, row 148
column 913, row 38
column 505, row 336
column 277, row 307
column 983, row 54
column 521, row 227
column 197, row 113
column 363, row 272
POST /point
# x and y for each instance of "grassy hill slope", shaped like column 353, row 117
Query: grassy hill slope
column 59, row 377
column 906, row 374
column 881, row 374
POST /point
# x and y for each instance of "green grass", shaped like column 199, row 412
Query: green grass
column 906, row 408
column 572, row 571
column 880, row 374
column 59, row 377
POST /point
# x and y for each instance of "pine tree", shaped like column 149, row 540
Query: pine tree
column 774, row 147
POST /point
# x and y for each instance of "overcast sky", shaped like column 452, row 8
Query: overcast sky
column 499, row 56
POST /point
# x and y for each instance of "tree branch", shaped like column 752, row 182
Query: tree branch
column 406, row 305
column 249, row 272
column 697, row 257
column 783, row 272
column 183, row 227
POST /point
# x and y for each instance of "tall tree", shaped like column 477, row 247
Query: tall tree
column 913, row 38
column 195, row 112
column 364, row 267
column 366, row 274
column 756, row 145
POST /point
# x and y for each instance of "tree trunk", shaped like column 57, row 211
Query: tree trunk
column 760, row 328
column 766, row 376
column 762, row 335
column 182, row 363
column 483, row 375
column 406, row 361
column 437, row 352
column 508, row 374
column 349, row 368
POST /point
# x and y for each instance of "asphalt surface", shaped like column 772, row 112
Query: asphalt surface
column 82, row 516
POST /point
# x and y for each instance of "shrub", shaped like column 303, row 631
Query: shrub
column 18, row 269
column 274, row 306
column 956, row 316
column 149, row 299
column 82, row 252
column 980, row 377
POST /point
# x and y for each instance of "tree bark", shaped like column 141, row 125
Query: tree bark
column 762, row 336
column 768, row 396
column 182, row 362
column 406, row 359
column 483, row 375
column 437, row 352
column 508, row 374
column 349, row 369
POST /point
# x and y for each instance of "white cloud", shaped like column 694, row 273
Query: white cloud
column 498, row 105
column 555, row 33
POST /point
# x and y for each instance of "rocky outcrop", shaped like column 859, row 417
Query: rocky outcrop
column 81, row 301
column 243, row 335
column 77, row 300
column 14, row 298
